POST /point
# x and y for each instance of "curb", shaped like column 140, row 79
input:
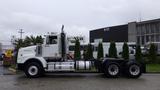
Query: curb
column 152, row 73
column 13, row 70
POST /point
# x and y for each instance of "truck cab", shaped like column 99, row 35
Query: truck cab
column 51, row 46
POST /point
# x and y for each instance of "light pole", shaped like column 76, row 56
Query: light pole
column 21, row 32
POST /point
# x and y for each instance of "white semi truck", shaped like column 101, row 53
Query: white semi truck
column 51, row 56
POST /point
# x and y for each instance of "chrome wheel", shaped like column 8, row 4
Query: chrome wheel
column 33, row 70
column 113, row 69
column 134, row 70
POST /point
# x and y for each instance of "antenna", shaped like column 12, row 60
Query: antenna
column 140, row 17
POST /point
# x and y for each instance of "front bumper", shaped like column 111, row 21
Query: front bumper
column 20, row 67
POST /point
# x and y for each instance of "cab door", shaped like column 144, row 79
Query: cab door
column 51, row 48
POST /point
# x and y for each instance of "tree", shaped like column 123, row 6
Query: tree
column 85, row 54
column 138, row 54
column 39, row 40
column 77, row 53
column 112, row 50
column 33, row 40
column 89, row 54
column 28, row 41
column 152, row 53
column 18, row 43
column 100, row 51
column 125, row 52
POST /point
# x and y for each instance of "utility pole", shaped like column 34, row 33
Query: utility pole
column 21, row 33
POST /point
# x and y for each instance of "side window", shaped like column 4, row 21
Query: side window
column 71, row 48
column 52, row 40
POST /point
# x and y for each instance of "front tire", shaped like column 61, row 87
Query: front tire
column 33, row 70
column 112, row 70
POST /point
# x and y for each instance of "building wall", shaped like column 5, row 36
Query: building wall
column 0, row 48
column 148, row 31
column 139, row 32
column 115, row 33
column 132, row 32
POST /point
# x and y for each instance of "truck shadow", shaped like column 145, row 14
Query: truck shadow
column 64, row 75
column 78, row 76
column 49, row 79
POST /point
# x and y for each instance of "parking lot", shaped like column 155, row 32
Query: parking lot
column 77, row 81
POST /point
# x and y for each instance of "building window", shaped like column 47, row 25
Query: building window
column 98, row 40
column 157, row 38
column 106, row 29
column 153, row 28
column 157, row 28
column 139, row 30
column 152, row 38
column 147, row 38
column 147, row 29
column 142, row 40
column 143, row 30
column 138, row 39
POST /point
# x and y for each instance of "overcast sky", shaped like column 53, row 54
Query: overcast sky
column 38, row 17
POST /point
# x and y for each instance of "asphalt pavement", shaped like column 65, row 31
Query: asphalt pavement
column 1, row 68
column 77, row 81
column 4, row 70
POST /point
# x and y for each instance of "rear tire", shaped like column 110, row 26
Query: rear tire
column 133, row 70
column 33, row 70
column 112, row 70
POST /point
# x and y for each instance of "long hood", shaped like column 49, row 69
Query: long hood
column 27, row 51
column 28, row 48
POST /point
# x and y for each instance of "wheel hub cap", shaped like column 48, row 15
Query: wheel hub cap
column 33, row 70
column 113, row 70
column 134, row 70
